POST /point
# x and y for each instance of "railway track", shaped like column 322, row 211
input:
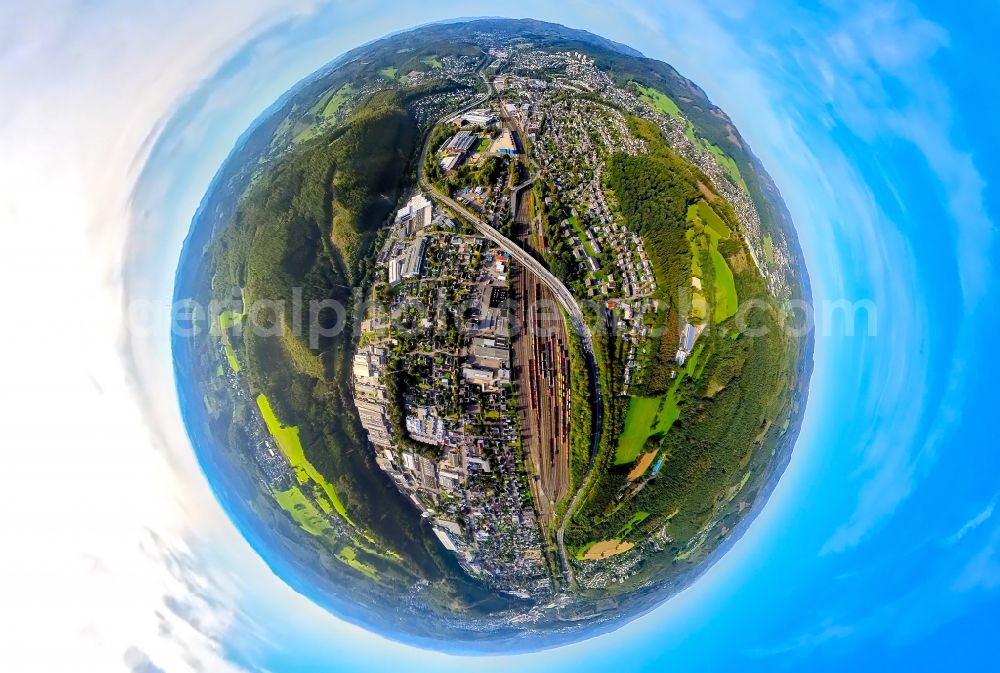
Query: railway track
column 562, row 294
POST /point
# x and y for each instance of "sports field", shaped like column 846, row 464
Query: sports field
column 604, row 549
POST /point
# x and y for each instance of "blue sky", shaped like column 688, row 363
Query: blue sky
column 880, row 548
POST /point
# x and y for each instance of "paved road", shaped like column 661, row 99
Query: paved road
column 562, row 294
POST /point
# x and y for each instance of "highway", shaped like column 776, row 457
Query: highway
column 562, row 294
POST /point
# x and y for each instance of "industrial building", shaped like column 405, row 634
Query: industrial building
column 413, row 258
column 419, row 210
column 480, row 117
column 460, row 143
column 490, row 354
column 449, row 163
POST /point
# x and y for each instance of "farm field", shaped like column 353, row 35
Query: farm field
column 642, row 465
column 287, row 438
column 604, row 549
column 337, row 100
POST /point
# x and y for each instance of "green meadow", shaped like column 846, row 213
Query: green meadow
column 287, row 438
column 660, row 101
column 303, row 511
column 702, row 216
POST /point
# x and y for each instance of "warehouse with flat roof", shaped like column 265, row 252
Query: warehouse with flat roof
column 460, row 143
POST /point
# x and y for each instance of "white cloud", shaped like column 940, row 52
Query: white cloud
column 972, row 524
column 90, row 587
column 94, row 85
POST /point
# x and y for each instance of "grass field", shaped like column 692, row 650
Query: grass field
column 636, row 519
column 704, row 213
column 648, row 416
column 659, row 100
column 302, row 510
column 349, row 556
column 389, row 73
column 671, row 410
column 337, row 100
column 483, row 145
column 769, row 248
column 234, row 364
column 699, row 307
column 728, row 165
column 228, row 319
column 434, row 62
column 639, row 420
column 726, row 299
column 288, row 441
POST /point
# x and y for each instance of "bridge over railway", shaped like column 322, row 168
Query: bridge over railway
column 574, row 313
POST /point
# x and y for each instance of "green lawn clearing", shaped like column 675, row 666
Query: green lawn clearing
column 349, row 556
column 337, row 100
column 287, row 438
column 639, row 421
column 303, row 511
column 728, row 165
column 726, row 299
column 636, row 519
column 660, row 101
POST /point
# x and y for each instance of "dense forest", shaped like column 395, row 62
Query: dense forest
column 302, row 234
column 727, row 404
column 581, row 415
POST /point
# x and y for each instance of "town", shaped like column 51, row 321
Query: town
column 461, row 375
column 432, row 382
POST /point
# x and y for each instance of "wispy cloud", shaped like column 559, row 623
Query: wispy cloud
column 983, row 570
column 972, row 524
column 804, row 643
column 86, row 88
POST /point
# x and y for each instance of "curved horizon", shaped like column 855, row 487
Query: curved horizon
column 877, row 548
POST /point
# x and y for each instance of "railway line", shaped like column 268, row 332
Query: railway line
column 562, row 294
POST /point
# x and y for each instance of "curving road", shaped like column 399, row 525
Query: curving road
column 559, row 290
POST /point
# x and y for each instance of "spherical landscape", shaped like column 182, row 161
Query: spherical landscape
column 491, row 347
